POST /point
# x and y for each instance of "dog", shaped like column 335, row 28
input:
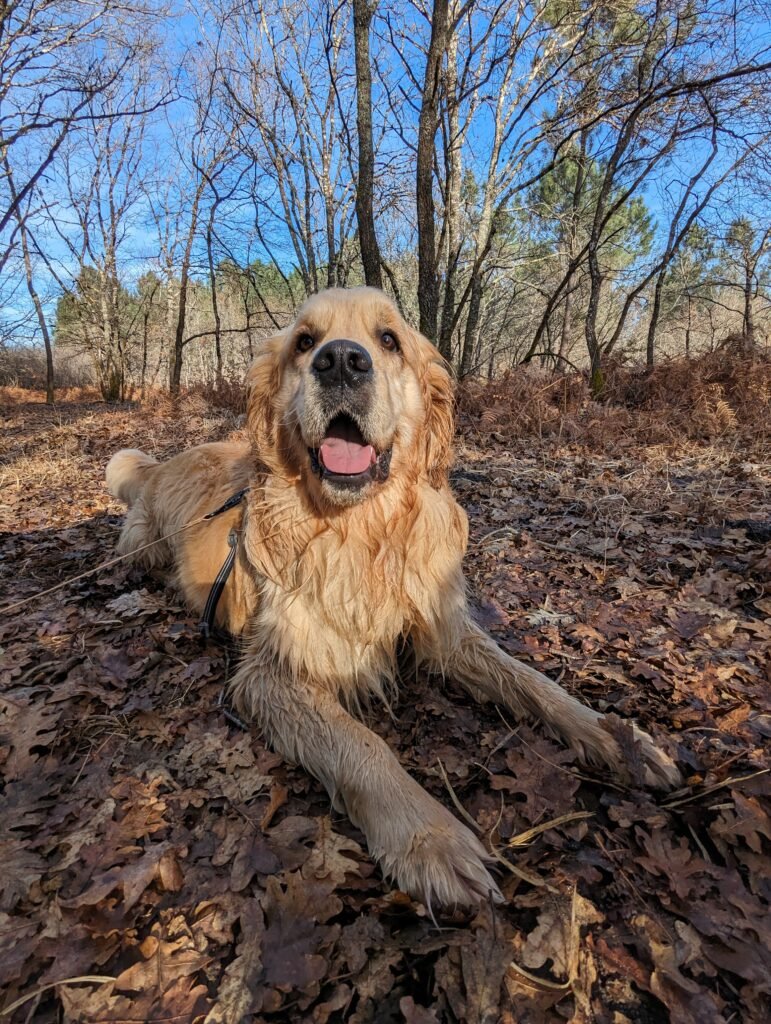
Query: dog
column 350, row 541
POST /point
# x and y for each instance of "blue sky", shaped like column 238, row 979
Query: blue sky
column 180, row 44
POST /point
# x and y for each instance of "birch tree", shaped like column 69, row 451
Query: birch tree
column 57, row 57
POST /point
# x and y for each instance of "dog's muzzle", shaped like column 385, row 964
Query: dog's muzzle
column 346, row 459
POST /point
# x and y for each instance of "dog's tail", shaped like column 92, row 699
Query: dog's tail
column 126, row 474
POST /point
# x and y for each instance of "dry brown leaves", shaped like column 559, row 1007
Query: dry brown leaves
column 715, row 397
column 146, row 840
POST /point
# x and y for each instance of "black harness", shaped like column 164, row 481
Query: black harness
column 206, row 625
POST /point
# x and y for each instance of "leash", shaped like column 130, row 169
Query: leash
column 232, row 501
column 206, row 625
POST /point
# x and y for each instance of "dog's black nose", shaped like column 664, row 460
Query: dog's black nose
column 342, row 363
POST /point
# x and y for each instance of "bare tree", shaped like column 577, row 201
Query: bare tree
column 746, row 246
column 467, row 112
column 428, row 124
column 292, row 103
column 20, row 215
column 176, row 203
column 661, row 97
column 363, row 11
column 103, row 177
column 681, row 223
column 56, row 58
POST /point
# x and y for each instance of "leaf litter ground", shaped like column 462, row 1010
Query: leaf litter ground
column 148, row 844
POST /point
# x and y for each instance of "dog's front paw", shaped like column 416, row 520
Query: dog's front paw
column 660, row 771
column 443, row 864
column 636, row 756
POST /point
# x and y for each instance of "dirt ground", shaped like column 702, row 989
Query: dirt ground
column 159, row 864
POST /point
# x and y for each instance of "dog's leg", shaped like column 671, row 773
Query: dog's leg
column 139, row 530
column 416, row 840
column 468, row 655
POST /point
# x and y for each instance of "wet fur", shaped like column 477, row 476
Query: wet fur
column 325, row 587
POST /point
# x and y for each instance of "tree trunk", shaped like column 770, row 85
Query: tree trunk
column 592, row 342
column 472, row 327
column 688, row 331
column 39, row 312
column 331, row 246
column 491, row 361
column 171, row 310
column 575, row 207
column 115, row 330
column 453, row 204
column 370, row 252
column 428, row 282
column 444, row 344
column 145, row 331
column 650, row 347
column 111, row 378
column 565, row 334
column 748, row 321
column 214, row 298
column 175, row 375
column 485, row 236
column 248, row 319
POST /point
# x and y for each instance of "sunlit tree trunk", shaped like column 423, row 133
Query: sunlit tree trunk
column 365, row 184
column 428, row 122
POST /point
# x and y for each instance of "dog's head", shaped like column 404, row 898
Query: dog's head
column 350, row 397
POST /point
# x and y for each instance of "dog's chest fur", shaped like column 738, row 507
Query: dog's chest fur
column 336, row 595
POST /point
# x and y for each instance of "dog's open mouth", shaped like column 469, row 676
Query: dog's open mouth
column 346, row 458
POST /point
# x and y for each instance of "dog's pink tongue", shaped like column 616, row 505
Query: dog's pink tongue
column 346, row 457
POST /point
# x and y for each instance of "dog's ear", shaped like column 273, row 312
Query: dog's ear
column 262, row 386
column 439, row 402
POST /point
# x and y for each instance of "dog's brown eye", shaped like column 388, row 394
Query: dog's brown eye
column 305, row 343
column 388, row 341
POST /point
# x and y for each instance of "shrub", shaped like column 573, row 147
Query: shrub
column 700, row 399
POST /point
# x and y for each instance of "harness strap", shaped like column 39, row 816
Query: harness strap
column 206, row 625
column 233, row 500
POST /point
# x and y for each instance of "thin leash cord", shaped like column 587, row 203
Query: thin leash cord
column 230, row 503
column 104, row 565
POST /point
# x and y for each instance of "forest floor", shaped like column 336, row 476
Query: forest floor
column 159, row 864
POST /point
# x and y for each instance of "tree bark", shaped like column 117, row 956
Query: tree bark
column 39, row 311
column 428, row 122
column 578, row 191
column 650, row 346
column 472, row 327
column 454, row 147
column 592, row 341
column 175, row 375
column 215, row 308
column 365, row 184
column 688, row 331
column 33, row 293
column 145, row 332
column 748, row 321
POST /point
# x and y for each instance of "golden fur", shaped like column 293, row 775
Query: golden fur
column 327, row 582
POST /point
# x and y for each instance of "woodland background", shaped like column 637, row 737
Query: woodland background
column 572, row 199
column 565, row 182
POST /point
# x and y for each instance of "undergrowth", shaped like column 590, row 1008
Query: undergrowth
column 718, row 395
column 698, row 399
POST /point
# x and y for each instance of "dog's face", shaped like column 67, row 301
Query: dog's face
column 350, row 397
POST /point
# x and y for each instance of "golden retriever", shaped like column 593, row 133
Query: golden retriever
column 349, row 541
